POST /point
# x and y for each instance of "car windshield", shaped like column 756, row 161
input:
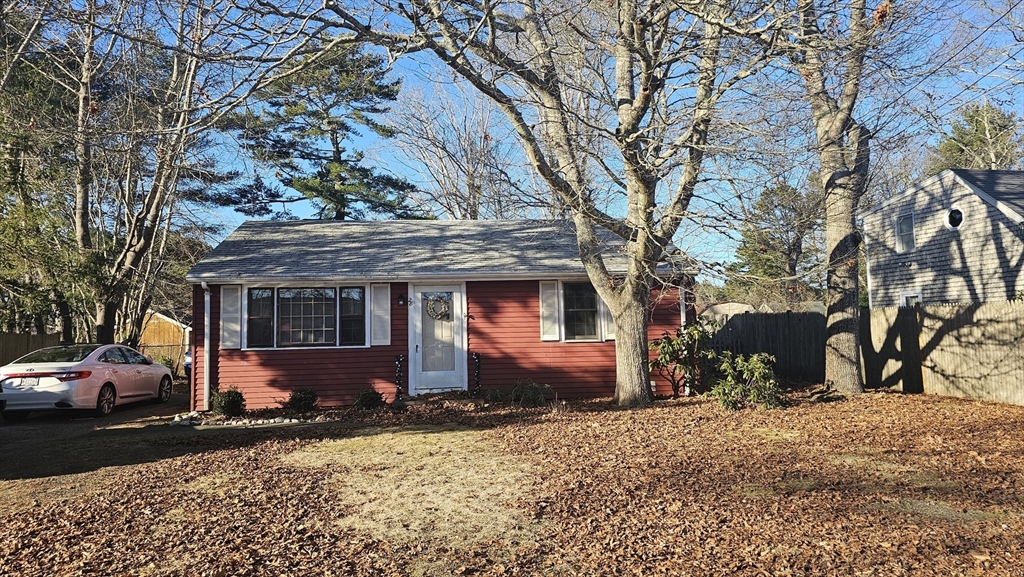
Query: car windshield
column 69, row 354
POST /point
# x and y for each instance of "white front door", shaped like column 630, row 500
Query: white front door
column 438, row 340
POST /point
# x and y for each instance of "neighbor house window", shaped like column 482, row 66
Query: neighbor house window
column 306, row 317
column 954, row 218
column 905, row 233
column 572, row 311
column 910, row 298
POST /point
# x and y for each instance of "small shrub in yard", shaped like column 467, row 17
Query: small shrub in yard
column 528, row 393
column 686, row 359
column 747, row 381
column 302, row 400
column 230, row 403
column 369, row 399
column 525, row 393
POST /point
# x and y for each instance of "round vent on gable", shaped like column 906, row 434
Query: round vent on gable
column 954, row 218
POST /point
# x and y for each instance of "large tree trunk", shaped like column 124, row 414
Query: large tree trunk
column 106, row 318
column 83, row 139
column 844, row 148
column 632, row 369
column 67, row 324
column 842, row 333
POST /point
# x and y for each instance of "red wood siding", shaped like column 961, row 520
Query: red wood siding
column 504, row 327
column 267, row 376
column 198, row 344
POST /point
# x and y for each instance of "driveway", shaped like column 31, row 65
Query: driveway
column 63, row 442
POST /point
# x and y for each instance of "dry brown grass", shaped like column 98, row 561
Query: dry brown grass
column 425, row 483
column 877, row 485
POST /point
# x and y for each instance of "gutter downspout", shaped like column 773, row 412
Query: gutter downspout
column 206, row 346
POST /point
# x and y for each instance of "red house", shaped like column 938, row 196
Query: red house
column 439, row 305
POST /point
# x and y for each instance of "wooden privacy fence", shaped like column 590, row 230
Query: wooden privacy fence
column 974, row 351
column 797, row 340
column 14, row 345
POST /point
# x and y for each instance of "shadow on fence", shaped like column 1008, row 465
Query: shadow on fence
column 974, row 351
column 797, row 340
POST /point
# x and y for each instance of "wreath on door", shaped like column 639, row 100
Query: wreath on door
column 438, row 307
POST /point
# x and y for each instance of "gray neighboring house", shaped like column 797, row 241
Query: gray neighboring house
column 957, row 237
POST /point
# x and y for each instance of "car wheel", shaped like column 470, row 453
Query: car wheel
column 14, row 416
column 105, row 401
column 163, row 394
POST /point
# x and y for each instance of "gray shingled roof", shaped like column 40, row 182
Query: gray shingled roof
column 1005, row 186
column 382, row 250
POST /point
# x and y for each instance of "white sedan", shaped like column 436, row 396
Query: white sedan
column 81, row 377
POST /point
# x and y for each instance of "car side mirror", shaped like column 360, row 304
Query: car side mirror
column 149, row 360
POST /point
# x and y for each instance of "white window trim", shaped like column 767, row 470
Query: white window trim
column 945, row 217
column 909, row 293
column 913, row 231
column 602, row 314
column 337, row 312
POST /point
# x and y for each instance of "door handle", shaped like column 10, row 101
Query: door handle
column 417, row 348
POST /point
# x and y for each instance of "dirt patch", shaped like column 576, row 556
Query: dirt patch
column 409, row 484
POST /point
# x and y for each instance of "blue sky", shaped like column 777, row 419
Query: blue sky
column 944, row 97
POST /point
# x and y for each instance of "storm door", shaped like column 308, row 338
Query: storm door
column 438, row 353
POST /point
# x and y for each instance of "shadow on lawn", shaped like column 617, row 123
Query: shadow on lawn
column 52, row 445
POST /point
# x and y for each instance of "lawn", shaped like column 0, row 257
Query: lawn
column 882, row 484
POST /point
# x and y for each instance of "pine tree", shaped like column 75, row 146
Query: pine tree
column 985, row 136
column 298, row 129
column 777, row 247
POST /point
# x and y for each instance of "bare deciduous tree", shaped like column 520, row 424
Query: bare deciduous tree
column 469, row 163
column 149, row 79
column 605, row 98
column 846, row 54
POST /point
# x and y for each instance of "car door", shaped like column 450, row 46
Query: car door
column 118, row 370
column 144, row 382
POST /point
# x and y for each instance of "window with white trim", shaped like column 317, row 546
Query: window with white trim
column 910, row 298
column 573, row 311
column 260, row 318
column 954, row 218
column 353, row 316
column 289, row 317
column 904, row 233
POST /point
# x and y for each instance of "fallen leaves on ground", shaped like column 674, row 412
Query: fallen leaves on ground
column 881, row 484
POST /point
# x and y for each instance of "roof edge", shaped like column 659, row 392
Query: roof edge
column 386, row 278
column 999, row 205
column 453, row 277
column 912, row 189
